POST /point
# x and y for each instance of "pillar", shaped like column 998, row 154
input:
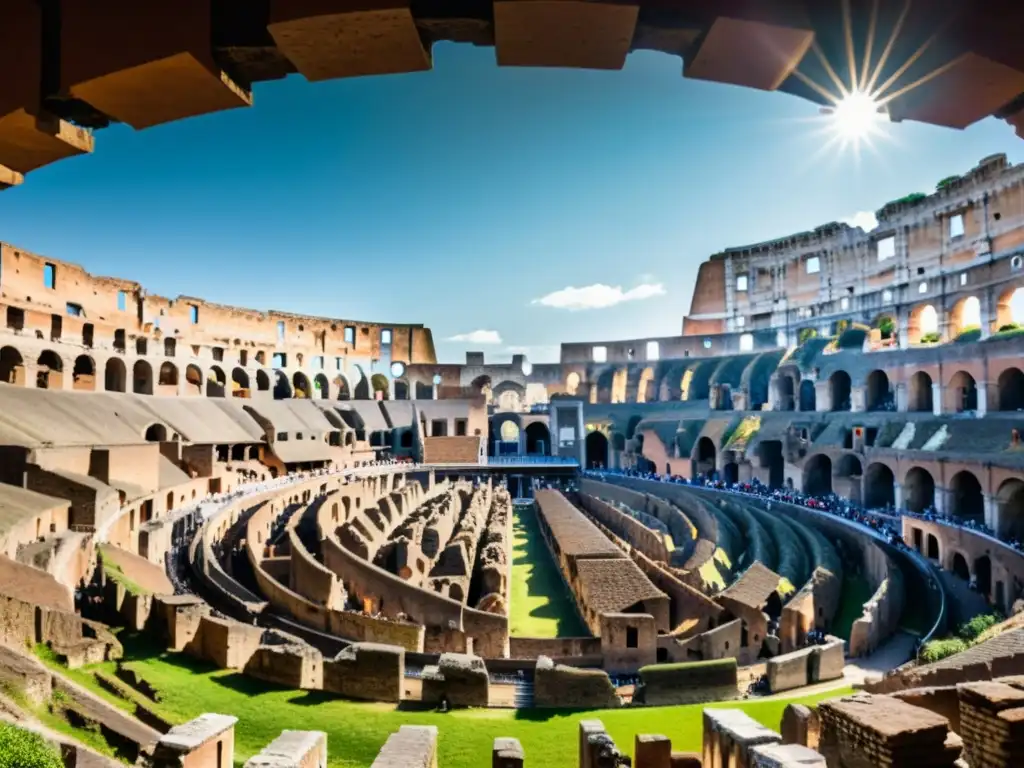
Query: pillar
column 940, row 500
column 992, row 513
column 588, row 728
column 897, row 495
column 937, row 399
column 982, row 398
column 903, row 330
column 858, row 396
column 507, row 753
column 652, row 751
column 901, row 398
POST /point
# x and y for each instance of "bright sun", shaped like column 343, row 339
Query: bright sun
column 856, row 116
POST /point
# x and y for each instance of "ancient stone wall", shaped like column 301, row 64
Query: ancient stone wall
column 651, row 543
column 369, row 671
column 556, row 685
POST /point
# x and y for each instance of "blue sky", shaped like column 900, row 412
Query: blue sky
column 459, row 197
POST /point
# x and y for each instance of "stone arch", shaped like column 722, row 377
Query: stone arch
column 538, row 439
column 920, row 393
column 785, row 387
column 808, row 396
column 839, row 387
column 300, row 386
column 983, row 574
column 705, row 456
column 216, row 382
column 168, row 376
column 959, row 567
column 115, row 375
column 401, row 389
column 618, row 441
column 879, row 486
column 1010, row 307
column 596, row 446
column 342, row 388
column 966, row 499
column 631, row 425
column 731, row 472
column 322, row 387
column 933, row 547
column 923, row 322
column 849, row 466
column 645, row 391
column 380, row 385
column 83, row 375
column 572, row 383
column 262, row 381
column 877, row 392
column 424, row 390
column 142, row 378
column 509, row 431
column 963, row 392
column 817, row 476
column 482, row 386
column 965, row 316
column 1011, row 390
column 12, row 367
column 239, row 382
column 156, row 433
column 1010, row 498
column 193, row 379
column 918, row 489
column 362, row 390
column 50, row 372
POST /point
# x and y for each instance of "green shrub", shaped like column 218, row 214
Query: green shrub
column 852, row 338
column 932, row 337
column 1009, row 327
column 25, row 749
column 968, row 335
column 937, row 650
column 972, row 630
column 949, row 180
column 887, row 327
column 805, row 334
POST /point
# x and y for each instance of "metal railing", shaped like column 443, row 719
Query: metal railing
column 518, row 459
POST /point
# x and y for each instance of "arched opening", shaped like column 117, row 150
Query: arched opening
column 618, row 442
column 966, row 500
column 1010, row 499
column 818, row 475
column 786, row 389
column 918, row 490
column 238, row 453
column 983, row 574
column 405, row 441
column 645, row 387
column 114, row 375
column 538, row 439
column 919, row 399
column 1011, row 390
column 379, row 382
column 156, row 433
column 619, row 381
column 960, row 569
column 216, row 382
column 193, row 380
column 341, row 388
column 596, row 446
column 731, row 472
column 877, row 393
column 963, row 393
column 83, row 375
column 705, row 458
column 50, row 372
column 401, row 389
column 808, row 396
column 509, row 397
column 300, row 386
column 321, row 387
column 849, row 466
column 424, row 391
column 966, row 316
column 12, row 367
column 141, row 346
column 1010, row 309
column 482, row 386
column 508, row 435
column 839, row 389
column 933, row 547
column 362, row 388
column 239, row 383
column 923, row 325
column 262, row 381
column 168, row 376
column 631, row 425
column 282, row 387
column 847, row 481
column 770, row 457
column 572, row 383
column 142, row 378
column 879, row 486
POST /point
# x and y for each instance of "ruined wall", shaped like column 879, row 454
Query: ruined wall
column 651, row 543
column 687, row 683
column 883, row 611
column 369, row 671
column 556, row 685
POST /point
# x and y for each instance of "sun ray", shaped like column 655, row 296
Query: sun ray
column 869, row 45
column 851, row 56
column 819, row 89
column 911, row 60
column 829, row 70
column 917, row 83
column 893, row 36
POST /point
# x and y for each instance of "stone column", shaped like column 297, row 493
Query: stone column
column 822, row 397
column 857, row 399
column 897, row 495
column 507, row 753
column 937, row 399
column 992, row 513
column 588, row 728
column 982, row 398
column 940, row 500
column 903, row 330
column 901, row 398
column 652, row 751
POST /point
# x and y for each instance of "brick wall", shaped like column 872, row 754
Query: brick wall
column 451, row 450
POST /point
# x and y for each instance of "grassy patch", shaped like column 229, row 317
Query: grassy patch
column 541, row 605
column 113, row 572
column 356, row 731
column 24, row 749
column 856, row 592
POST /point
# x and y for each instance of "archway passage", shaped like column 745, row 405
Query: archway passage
column 808, row 396
column 877, row 394
column 983, row 574
column 839, row 387
column 705, row 457
column 1010, row 309
column 920, row 393
column 597, row 450
column 572, row 383
column 50, row 373
column 362, row 388
column 960, row 568
column 321, row 387
column 83, row 375
column 115, row 375
column 923, row 326
column 1010, row 498
column 1011, row 390
column 770, row 457
column 168, row 377
column 645, row 392
column 216, row 382
column 966, row 316
column 401, row 389
column 879, row 486
column 966, row 500
column 786, row 393
column 964, row 393
column 193, row 380
column 918, row 490
column 380, row 385
column 538, row 439
column 156, row 433
column 818, row 475
column 262, row 381
column 282, row 387
column 300, row 386
column 239, row 383
column 731, row 472
column 12, row 367
column 508, row 436
column 142, row 378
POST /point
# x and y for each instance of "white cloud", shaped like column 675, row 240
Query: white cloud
column 478, row 337
column 598, row 296
column 864, row 219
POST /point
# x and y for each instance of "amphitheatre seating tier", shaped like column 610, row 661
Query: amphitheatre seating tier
column 760, row 547
column 26, row 515
column 651, row 542
column 793, row 563
column 683, row 531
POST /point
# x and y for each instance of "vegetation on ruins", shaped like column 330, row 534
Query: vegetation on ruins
column 116, row 574
column 932, row 337
column 886, row 326
column 357, row 730
column 853, row 337
column 25, row 749
column 967, row 635
column 969, row 335
column 808, row 352
column 805, row 335
column 745, row 430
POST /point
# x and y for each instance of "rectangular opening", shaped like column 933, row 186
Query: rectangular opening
column 122, row 301
column 460, row 427
column 337, row 363
column 56, row 326
column 385, row 337
column 956, row 225
column 193, row 314
column 653, row 350
column 318, row 363
column 279, row 360
column 741, row 283
column 438, row 428
column 813, row 265
column 282, row 437
column 243, row 357
column 280, row 330
column 599, row 354
column 218, row 354
column 350, row 334
column 887, row 248
column 87, row 334
column 119, row 339
column 15, row 319
column 73, row 310
column 632, row 637
column 50, row 276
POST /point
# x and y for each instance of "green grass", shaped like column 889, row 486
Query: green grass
column 113, row 572
column 856, row 592
column 357, row 730
column 541, row 605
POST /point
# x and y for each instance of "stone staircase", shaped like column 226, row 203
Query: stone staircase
column 524, row 693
